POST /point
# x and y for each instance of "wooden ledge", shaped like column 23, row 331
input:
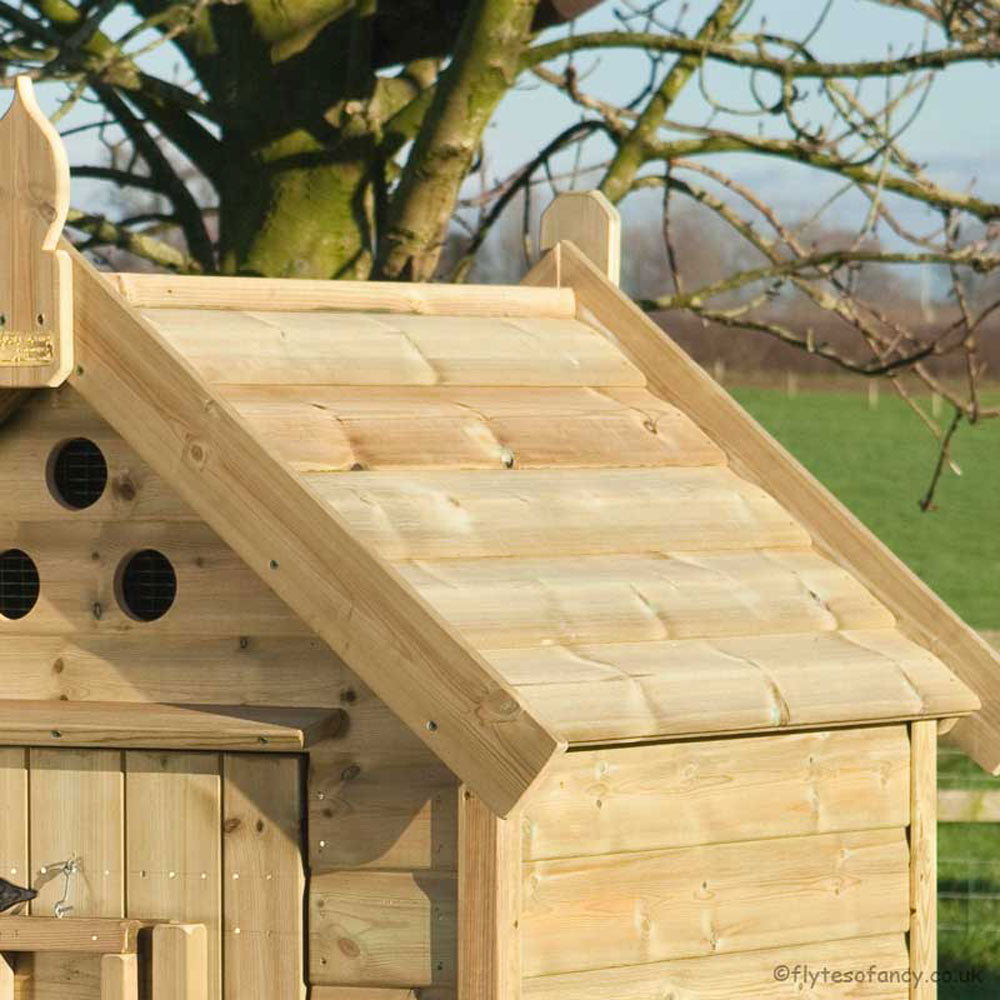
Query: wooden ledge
column 97, row 935
column 171, row 291
column 170, row 727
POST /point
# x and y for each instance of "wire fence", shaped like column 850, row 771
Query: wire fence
column 968, row 861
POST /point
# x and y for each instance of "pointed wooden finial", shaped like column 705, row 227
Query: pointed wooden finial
column 36, row 302
column 589, row 220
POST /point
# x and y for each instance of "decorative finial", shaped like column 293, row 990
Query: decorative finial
column 36, row 300
column 589, row 220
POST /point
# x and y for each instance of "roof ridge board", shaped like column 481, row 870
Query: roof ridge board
column 757, row 456
column 443, row 690
column 162, row 291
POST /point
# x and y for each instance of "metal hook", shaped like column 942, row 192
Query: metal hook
column 68, row 869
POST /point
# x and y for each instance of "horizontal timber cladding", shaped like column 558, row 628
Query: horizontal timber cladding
column 128, row 667
column 27, row 443
column 752, row 976
column 477, row 514
column 286, row 348
column 331, row 429
column 370, row 807
column 78, row 564
column 505, row 603
column 644, row 798
column 375, row 928
column 627, row 909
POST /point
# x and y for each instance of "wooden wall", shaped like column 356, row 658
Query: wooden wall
column 697, row 869
column 380, row 812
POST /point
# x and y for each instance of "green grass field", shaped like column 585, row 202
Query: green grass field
column 879, row 463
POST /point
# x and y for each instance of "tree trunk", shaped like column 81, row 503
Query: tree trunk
column 295, row 210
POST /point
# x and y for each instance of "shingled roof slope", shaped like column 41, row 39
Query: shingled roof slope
column 581, row 533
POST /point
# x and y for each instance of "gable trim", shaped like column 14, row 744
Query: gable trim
column 442, row 689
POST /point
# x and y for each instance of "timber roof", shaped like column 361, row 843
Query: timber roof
column 583, row 535
column 522, row 515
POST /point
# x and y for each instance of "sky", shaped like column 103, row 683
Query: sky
column 956, row 134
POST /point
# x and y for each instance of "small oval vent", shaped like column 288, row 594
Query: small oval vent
column 147, row 585
column 19, row 584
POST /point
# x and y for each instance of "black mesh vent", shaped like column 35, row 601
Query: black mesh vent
column 18, row 584
column 147, row 585
column 78, row 473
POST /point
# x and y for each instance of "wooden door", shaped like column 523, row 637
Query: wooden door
column 203, row 838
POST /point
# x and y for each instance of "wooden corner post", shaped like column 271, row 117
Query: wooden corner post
column 489, row 902
column 36, row 299
column 589, row 220
column 923, row 859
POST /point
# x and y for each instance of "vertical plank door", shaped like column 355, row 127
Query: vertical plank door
column 263, row 877
column 14, row 816
column 77, row 809
column 174, row 852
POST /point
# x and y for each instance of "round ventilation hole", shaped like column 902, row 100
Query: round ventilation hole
column 19, row 584
column 78, row 473
column 147, row 585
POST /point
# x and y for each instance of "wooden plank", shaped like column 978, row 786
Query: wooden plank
column 387, row 929
column 120, row 977
column 6, row 979
column 78, row 563
column 592, row 223
column 961, row 805
column 373, row 808
column 378, row 993
column 309, row 348
column 489, row 903
column 413, row 661
column 922, row 614
column 193, row 292
column 644, row 798
column 11, row 401
column 624, row 909
column 59, row 976
column 36, row 336
column 78, row 810
column 14, row 816
column 263, row 877
column 249, row 669
column 506, row 603
column 90, row 935
column 176, row 727
column 329, row 429
column 180, row 962
column 636, row 690
column 751, row 976
column 923, row 860
column 52, row 417
column 174, row 850
column 467, row 515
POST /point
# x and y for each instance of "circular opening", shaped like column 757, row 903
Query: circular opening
column 78, row 473
column 19, row 584
column 147, row 585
